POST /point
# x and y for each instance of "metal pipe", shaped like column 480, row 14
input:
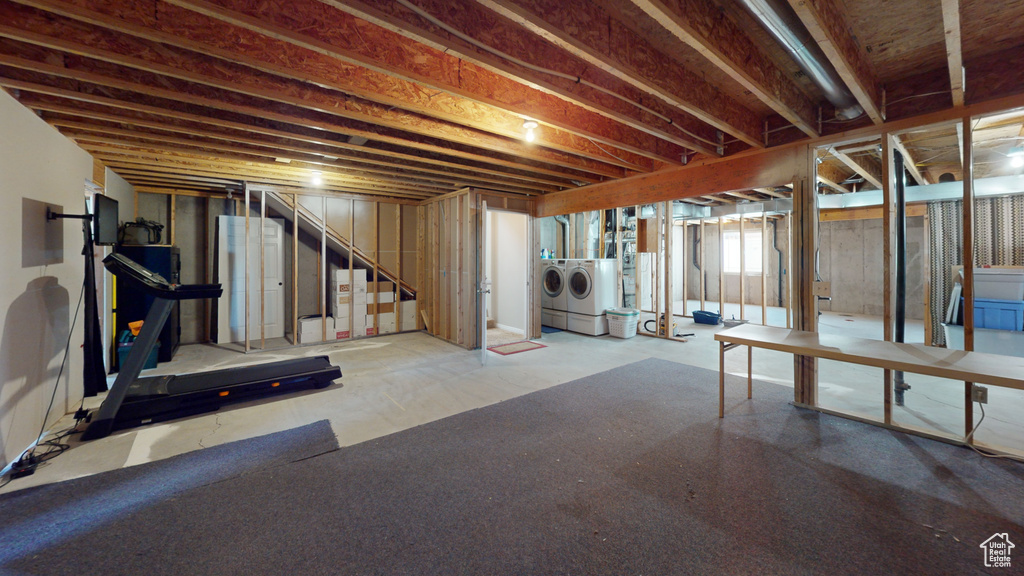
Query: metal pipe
column 782, row 23
column 775, row 246
column 899, row 385
column 564, row 221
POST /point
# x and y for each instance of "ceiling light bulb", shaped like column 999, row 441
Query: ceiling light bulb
column 1017, row 161
column 529, row 126
column 317, row 180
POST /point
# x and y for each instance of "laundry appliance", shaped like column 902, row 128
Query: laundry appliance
column 591, row 291
column 554, row 293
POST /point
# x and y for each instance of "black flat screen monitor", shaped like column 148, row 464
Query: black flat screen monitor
column 104, row 220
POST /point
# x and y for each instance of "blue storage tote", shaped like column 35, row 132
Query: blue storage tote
column 999, row 314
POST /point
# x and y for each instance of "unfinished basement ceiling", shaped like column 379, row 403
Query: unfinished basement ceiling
column 409, row 99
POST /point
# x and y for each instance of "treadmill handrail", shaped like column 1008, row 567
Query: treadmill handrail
column 152, row 283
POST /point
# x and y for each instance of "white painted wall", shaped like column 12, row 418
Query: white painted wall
column 509, row 260
column 37, row 301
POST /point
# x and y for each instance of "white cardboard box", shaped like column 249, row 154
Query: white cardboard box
column 343, row 330
column 381, row 297
column 342, row 286
column 407, row 308
column 341, row 307
column 311, row 329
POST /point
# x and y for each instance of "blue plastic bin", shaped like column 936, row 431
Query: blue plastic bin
column 999, row 314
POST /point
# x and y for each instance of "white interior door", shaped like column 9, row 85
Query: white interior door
column 231, row 257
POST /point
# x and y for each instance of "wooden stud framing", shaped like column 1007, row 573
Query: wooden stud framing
column 743, row 267
column 888, row 264
column 376, row 257
column 398, row 268
column 322, row 278
column 263, row 272
column 246, row 267
column 721, row 266
column 764, row 268
column 295, row 269
column 702, row 281
column 968, row 262
column 789, row 270
column 685, row 262
column 351, row 269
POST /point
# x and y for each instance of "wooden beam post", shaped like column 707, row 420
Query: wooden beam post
column 764, row 268
column 743, row 266
column 888, row 264
column 721, row 266
column 968, row 260
column 805, row 309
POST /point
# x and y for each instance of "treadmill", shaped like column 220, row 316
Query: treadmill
column 133, row 401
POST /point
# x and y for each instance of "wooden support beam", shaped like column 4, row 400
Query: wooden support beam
column 909, row 162
column 772, row 167
column 703, row 27
column 744, row 196
column 764, row 269
column 721, row 266
column 824, row 20
column 858, row 165
column 889, row 263
column 967, row 257
column 572, row 25
column 954, row 54
column 702, row 282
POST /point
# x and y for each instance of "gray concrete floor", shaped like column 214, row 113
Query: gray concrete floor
column 395, row 382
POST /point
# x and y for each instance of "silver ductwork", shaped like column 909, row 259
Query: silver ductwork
column 782, row 23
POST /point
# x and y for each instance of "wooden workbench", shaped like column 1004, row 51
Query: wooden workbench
column 976, row 367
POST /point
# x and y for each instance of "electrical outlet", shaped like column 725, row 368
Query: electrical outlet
column 979, row 394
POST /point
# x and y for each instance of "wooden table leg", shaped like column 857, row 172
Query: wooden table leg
column 750, row 372
column 721, row 379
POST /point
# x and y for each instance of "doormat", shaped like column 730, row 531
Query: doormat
column 516, row 347
column 549, row 329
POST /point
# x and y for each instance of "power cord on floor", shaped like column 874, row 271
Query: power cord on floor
column 967, row 441
column 27, row 463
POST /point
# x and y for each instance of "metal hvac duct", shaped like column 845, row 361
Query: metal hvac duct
column 782, row 22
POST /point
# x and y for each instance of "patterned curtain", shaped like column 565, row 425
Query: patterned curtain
column 998, row 222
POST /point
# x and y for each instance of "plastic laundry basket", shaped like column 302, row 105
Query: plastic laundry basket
column 622, row 322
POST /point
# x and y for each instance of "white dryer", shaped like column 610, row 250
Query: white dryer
column 591, row 286
column 554, row 293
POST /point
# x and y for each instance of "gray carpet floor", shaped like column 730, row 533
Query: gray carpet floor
column 626, row 472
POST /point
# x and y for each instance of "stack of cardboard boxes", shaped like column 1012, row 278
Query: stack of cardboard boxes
column 349, row 303
column 353, row 304
column 380, row 298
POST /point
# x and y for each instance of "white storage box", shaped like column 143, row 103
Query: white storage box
column 407, row 308
column 999, row 283
column 622, row 322
column 311, row 329
column 587, row 324
column 554, row 318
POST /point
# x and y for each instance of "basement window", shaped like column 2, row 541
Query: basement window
column 752, row 244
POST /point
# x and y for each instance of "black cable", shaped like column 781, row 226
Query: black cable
column 30, row 453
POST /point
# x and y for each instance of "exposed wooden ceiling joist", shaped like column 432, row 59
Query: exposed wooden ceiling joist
column 954, row 53
column 701, row 26
column 462, row 28
column 824, row 20
column 590, row 33
column 860, row 165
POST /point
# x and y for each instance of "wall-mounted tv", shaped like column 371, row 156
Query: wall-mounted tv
column 104, row 220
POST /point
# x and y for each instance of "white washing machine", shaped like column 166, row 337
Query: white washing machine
column 554, row 294
column 591, row 286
